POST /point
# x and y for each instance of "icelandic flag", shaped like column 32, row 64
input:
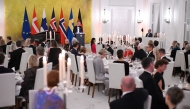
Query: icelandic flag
column 44, row 26
column 53, row 22
column 34, row 28
column 62, row 28
column 70, row 34
column 25, row 26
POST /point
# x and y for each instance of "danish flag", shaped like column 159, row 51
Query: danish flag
column 34, row 28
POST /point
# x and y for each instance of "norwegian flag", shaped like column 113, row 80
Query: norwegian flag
column 62, row 28
column 34, row 28
column 53, row 22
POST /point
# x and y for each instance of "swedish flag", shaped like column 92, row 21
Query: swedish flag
column 70, row 34
column 25, row 26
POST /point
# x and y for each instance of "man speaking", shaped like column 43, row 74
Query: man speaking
column 149, row 34
column 78, row 28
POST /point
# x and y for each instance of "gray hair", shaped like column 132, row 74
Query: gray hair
column 74, row 40
column 13, row 46
column 187, row 47
column 40, row 51
column 141, row 45
column 102, row 51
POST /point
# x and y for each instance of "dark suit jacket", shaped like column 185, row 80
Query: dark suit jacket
column 132, row 100
column 16, row 58
column 150, row 35
column 4, row 48
column 186, row 58
column 110, row 50
column 54, row 55
column 158, row 101
column 43, row 45
column 75, row 29
column 173, row 53
column 140, row 54
column 33, row 48
column 75, row 52
column 9, row 43
column 166, row 59
column 40, row 62
column 5, row 70
column 151, row 55
column 102, row 44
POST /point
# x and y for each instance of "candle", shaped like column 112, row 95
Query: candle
column 45, row 71
column 50, row 35
column 46, row 35
column 82, row 69
column 54, row 35
column 60, row 67
column 68, row 72
column 63, row 64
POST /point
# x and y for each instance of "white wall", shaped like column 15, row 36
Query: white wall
column 2, row 27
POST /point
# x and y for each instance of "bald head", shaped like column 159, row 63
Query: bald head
column 128, row 84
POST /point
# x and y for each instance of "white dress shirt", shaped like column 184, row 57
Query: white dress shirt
column 126, row 93
column 149, row 53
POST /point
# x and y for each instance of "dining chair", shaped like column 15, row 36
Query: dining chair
column 189, row 62
column 8, row 47
column 147, row 103
column 49, row 66
column 31, row 98
column 115, row 77
column 88, row 47
column 138, row 82
column 5, row 64
column 39, row 80
column 91, row 76
column 29, row 50
column 177, row 62
column 185, row 102
column 98, row 47
column 74, row 68
column 23, row 62
column 168, row 74
column 183, row 65
column 7, row 89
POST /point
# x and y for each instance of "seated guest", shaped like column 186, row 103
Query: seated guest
column 155, row 50
column 32, row 46
column 187, row 48
column 160, row 66
column 53, row 54
column 140, row 39
column 40, row 53
column 173, row 45
column 188, row 86
column 140, row 53
column 26, row 43
column 161, row 54
column 109, row 49
column 74, row 40
column 150, row 84
column 128, row 53
column 67, row 45
column 174, row 96
column 124, row 40
column 99, row 69
column 12, row 48
column 150, row 42
column 29, row 76
column 74, row 51
column 16, row 56
column 49, row 99
column 2, row 68
column 149, row 34
column 155, row 35
column 132, row 98
column 149, row 50
column 136, row 45
column 174, row 51
column 82, row 53
column 121, row 60
column 43, row 44
column 184, row 45
column 3, row 45
column 93, row 45
column 9, row 41
column 101, row 42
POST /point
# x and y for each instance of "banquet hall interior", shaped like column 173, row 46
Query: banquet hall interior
column 94, row 54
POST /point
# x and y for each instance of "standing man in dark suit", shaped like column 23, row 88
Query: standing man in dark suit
column 2, row 68
column 78, row 28
column 16, row 56
column 32, row 46
column 40, row 54
column 149, row 50
column 43, row 44
column 9, row 41
column 149, row 84
column 132, row 98
column 162, row 53
column 149, row 34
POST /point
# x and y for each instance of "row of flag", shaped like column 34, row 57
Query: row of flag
column 64, row 34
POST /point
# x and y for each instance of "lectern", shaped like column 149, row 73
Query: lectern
column 81, row 38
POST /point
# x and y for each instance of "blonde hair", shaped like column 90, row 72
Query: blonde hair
column 27, row 42
column 102, row 51
column 13, row 46
column 33, row 61
column 2, row 42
